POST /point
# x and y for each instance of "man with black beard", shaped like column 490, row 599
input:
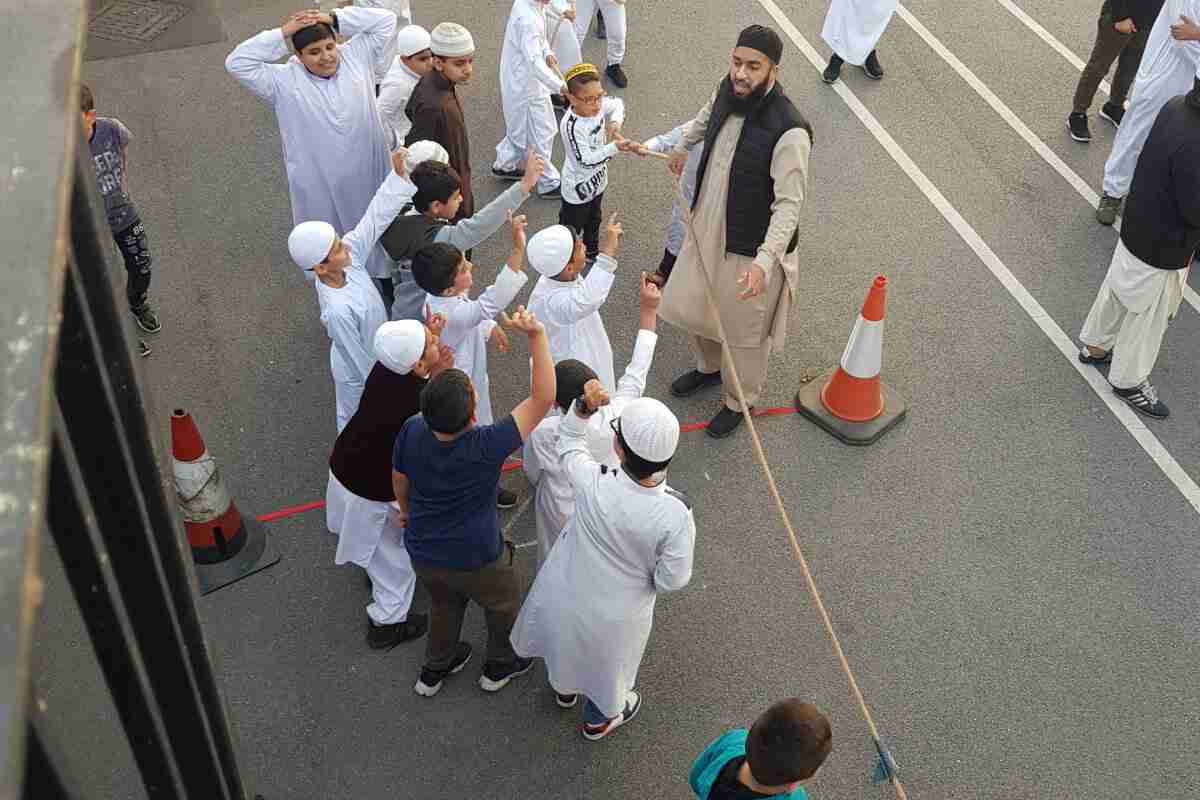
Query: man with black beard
column 750, row 186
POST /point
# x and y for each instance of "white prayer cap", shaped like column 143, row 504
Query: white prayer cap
column 425, row 150
column 400, row 345
column 550, row 249
column 411, row 40
column 451, row 40
column 310, row 243
column 650, row 429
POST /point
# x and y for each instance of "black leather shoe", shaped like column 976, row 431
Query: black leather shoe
column 617, row 75
column 833, row 70
column 871, row 67
column 385, row 637
column 724, row 423
column 691, row 382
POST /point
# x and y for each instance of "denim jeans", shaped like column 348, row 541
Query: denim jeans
column 136, row 252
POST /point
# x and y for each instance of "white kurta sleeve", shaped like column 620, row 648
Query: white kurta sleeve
column 347, row 341
column 633, row 383
column 673, row 569
column 665, row 142
column 567, row 308
column 463, row 318
column 392, row 101
column 392, row 195
column 252, row 63
column 534, row 49
column 473, row 230
column 789, row 171
column 573, row 452
column 371, row 33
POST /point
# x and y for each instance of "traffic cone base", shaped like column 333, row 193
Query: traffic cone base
column 257, row 553
column 810, row 405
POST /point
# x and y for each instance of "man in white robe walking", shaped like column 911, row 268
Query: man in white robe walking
column 852, row 30
column 1170, row 62
column 591, row 608
column 335, row 149
column 1159, row 239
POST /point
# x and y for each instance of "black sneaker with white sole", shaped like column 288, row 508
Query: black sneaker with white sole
column 566, row 700
column 146, row 319
column 833, row 70
column 497, row 675
column 430, row 682
column 508, row 174
column 1077, row 124
column 1113, row 113
column 872, row 68
column 506, row 499
column 616, row 74
column 1143, row 398
column 1086, row 356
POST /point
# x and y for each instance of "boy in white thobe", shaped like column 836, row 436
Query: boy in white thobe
column 591, row 608
column 446, row 275
column 555, row 499
column 676, row 229
column 569, row 305
column 560, row 24
column 335, row 149
column 852, row 29
column 1170, row 62
column 360, row 499
column 351, row 309
column 413, row 61
column 528, row 77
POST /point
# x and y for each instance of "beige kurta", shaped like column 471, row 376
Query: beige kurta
column 748, row 323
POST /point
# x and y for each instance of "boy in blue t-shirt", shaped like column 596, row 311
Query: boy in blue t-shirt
column 108, row 140
column 445, row 474
column 782, row 750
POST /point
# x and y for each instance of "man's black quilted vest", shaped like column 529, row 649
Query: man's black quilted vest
column 751, row 188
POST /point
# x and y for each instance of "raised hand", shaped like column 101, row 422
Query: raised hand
column 300, row 20
column 517, row 224
column 499, row 338
column 595, row 396
column 435, row 322
column 523, row 321
column 649, row 294
column 398, row 162
column 612, row 237
column 535, row 165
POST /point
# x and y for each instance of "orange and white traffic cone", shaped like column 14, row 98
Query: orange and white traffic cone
column 850, row 401
column 225, row 546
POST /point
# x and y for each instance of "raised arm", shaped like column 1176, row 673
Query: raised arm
column 532, row 410
column 370, row 32
column 632, row 384
column 484, row 222
column 666, row 142
column 393, row 194
column 252, row 63
column 573, row 453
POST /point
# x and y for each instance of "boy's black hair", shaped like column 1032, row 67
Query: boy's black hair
column 311, row 35
column 448, row 401
column 435, row 181
column 788, row 743
column 86, row 101
column 570, row 375
column 635, row 465
column 435, row 265
column 577, row 82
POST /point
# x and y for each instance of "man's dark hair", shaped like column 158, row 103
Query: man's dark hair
column 577, row 82
column 435, row 182
column 635, row 465
column 448, row 401
column 435, row 265
column 570, row 376
column 312, row 34
column 86, row 101
column 788, row 743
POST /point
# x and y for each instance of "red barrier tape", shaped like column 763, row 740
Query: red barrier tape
column 781, row 411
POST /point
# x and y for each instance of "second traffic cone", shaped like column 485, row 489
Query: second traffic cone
column 225, row 546
column 850, row 401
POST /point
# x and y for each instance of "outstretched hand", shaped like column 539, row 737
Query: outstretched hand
column 535, row 165
column 399, row 161
column 523, row 321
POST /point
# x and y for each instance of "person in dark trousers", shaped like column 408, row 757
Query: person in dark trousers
column 108, row 141
column 1159, row 239
column 445, row 475
column 1121, row 36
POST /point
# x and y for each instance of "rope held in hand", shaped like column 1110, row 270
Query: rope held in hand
column 814, row 593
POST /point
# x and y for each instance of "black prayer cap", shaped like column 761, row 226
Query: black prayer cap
column 313, row 33
column 763, row 39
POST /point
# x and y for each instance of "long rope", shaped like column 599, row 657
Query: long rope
column 760, row 455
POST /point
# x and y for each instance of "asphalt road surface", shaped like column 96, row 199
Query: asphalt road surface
column 1012, row 571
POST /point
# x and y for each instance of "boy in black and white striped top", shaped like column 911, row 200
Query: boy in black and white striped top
column 586, row 128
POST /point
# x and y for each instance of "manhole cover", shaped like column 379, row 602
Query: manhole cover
column 134, row 20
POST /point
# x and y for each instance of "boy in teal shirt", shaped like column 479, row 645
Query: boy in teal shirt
column 782, row 750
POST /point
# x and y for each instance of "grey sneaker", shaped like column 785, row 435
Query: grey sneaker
column 146, row 319
column 1143, row 398
column 1106, row 213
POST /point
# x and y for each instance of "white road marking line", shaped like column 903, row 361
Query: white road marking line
column 1014, row 122
column 1047, row 37
column 1065, row 345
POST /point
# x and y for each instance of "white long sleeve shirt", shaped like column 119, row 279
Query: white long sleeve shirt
column 395, row 88
column 570, row 311
column 554, row 502
column 469, row 323
column 403, row 11
column 585, row 142
column 351, row 313
column 335, row 149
